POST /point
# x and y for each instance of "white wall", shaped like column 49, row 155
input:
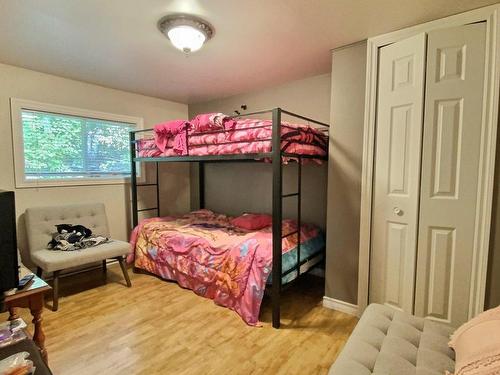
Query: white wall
column 493, row 275
column 27, row 84
column 240, row 187
column 344, row 172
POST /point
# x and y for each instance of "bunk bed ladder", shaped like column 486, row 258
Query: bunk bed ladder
column 298, row 195
column 133, row 180
column 156, row 183
column 277, row 215
column 278, row 197
column 299, row 211
column 135, row 185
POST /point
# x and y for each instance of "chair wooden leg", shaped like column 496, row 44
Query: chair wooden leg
column 55, row 291
column 39, row 272
column 124, row 270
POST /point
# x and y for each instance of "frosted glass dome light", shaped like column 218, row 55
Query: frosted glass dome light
column 186, row 33
column 186, row 38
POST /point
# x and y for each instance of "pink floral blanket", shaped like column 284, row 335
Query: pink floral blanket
column 246, row 136
column 202, row 251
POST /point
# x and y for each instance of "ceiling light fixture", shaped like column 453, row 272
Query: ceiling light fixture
column 187, row 33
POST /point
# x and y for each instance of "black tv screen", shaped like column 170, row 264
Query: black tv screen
column 9, row 274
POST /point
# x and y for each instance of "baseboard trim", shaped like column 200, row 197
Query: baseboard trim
column 342, row 306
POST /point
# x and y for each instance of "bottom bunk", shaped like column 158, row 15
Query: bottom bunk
column 213, row 255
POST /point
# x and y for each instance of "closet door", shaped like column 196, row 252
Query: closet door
column 450, row 168
column 397, row 172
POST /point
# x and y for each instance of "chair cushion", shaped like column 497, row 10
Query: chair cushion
column 386, row 341
column 53, row 260
column 41, row 221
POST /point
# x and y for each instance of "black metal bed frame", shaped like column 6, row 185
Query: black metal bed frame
column 275, row 155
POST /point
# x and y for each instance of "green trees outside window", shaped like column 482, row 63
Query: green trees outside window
column 60, row 146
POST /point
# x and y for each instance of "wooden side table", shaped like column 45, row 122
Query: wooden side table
column 31, row 297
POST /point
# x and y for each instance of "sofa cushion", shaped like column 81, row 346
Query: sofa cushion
column 386, row 342
column 53, row 260
column 41, row 221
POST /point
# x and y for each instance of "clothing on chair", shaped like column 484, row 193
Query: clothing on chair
column 74, row 237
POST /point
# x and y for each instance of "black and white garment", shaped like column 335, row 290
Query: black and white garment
column 74, row 237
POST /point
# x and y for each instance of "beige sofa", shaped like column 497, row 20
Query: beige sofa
column 390, row 342
column 40, row 224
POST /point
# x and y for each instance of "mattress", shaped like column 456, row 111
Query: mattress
column 247, row 136
column 312, row 252
column 204, row 252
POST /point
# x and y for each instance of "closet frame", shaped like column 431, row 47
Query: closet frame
column 489, row 15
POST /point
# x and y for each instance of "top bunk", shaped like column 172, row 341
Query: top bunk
column 217, row 137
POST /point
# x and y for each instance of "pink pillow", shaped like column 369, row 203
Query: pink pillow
column 477, row 345
column 252, row 221
column 212, row 121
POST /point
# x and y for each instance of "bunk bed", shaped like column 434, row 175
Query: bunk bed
column 280, row 143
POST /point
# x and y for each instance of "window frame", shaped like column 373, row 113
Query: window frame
column 16, row 107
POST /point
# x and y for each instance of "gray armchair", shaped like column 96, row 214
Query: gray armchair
column 40, row 224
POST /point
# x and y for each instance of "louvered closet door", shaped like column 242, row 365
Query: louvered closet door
column 450, row 168
column 397, row 172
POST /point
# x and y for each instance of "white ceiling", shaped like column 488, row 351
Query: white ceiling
column 257, row 43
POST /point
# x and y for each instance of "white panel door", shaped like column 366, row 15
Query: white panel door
column 450, row 167
column 397, row 172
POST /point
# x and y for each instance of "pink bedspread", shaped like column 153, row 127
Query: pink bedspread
column 202, row 251
column 247, row 136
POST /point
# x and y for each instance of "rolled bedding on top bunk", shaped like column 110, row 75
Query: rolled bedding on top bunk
column 218, row 134
column 212, row 255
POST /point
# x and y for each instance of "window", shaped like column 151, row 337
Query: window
column 56, row 145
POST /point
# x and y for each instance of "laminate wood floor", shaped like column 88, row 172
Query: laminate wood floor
column 156, row 327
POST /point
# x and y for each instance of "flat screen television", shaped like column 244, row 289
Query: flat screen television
column 9, row 273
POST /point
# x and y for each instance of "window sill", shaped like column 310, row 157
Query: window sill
column 80, row 182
